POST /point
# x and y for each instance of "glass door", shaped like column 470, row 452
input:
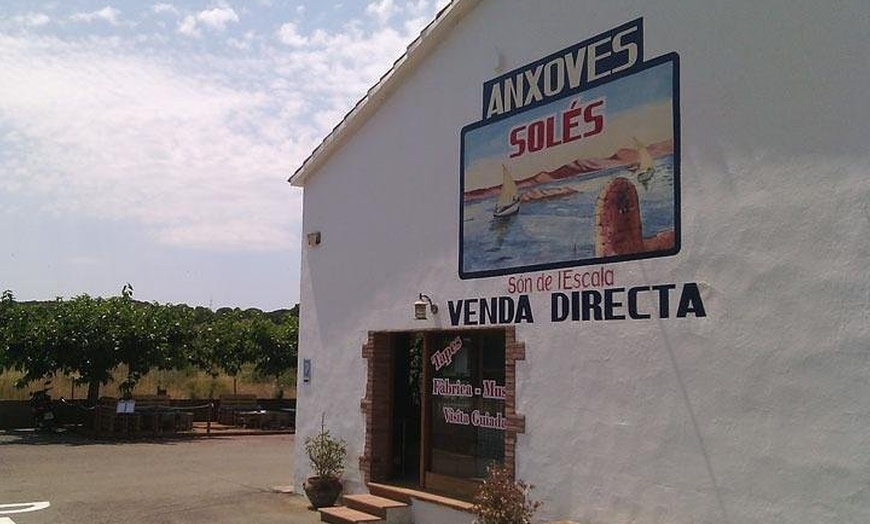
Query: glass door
column 464, row 380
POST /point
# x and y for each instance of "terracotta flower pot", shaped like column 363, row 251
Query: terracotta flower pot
column 322, row 492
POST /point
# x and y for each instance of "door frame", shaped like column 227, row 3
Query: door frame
column 376, row 461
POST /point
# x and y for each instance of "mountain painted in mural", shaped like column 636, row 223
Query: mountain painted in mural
column 579, row 167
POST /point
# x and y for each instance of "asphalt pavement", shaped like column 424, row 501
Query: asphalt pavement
column 219, row 480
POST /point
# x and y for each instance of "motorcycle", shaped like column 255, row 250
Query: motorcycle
column 44, row 417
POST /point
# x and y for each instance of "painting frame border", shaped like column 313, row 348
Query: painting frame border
column 674, row 59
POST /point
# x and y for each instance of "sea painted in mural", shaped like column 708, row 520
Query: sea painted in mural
column 588, row 178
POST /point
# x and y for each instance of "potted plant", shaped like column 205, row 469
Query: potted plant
column 500, row 500
column 326, row 455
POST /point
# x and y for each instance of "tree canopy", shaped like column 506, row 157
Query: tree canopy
column 88, row 338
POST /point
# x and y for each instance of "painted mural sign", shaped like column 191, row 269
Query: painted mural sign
column 575, row 161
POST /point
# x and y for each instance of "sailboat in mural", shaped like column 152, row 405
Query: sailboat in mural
column 645, row 169
column 508, row 202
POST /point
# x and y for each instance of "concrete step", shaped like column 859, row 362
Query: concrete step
column 392, row 511
column 346, row 515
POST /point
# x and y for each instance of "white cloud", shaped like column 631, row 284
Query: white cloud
column 107, row 14
column 419, row 8
column 333, row 70
column 385, row 10
column 107, row 143
column 289, row 35
column 243, row 43
column 124, row 138
column 85, row 260
column 188, row 27
column 194, row 148
column 164, row 8
column 216, row 19
column 382, row 10
column 33, row 19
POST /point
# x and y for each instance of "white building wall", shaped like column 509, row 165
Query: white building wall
column 757, row 412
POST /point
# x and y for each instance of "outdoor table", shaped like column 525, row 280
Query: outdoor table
column 159, row 419
column 130, row 423
column 252, row 418
column 291, row 416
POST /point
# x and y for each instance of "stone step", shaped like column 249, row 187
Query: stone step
column 409, row 495
column 390, row 492
column 346, row 515
column 392, row 511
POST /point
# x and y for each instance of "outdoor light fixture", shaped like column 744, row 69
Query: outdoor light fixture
column 420, row 307
column 314, row 238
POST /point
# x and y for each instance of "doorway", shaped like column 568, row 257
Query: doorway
column 407, row 407
column 440, row 407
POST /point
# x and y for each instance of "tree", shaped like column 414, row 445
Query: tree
column 7, row 303
column 178, row 323
column 277, row 346
column 89, row 346
column 141, row 336
column 24, row 344
column 88, row 338
column 224, row 344
column 29, row 339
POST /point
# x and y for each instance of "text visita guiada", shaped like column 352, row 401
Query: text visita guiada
column 587, row 305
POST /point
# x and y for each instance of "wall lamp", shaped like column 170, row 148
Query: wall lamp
column 313, row 238
column 421, row 305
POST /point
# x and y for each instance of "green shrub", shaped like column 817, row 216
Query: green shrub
column 326, row 454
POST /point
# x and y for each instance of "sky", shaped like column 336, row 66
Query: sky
column 151, row 143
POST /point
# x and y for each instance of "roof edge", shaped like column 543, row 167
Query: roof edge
column 414, row 54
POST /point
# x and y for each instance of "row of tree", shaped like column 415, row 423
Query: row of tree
column 88, row 339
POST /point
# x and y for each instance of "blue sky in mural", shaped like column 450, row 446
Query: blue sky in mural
column 150, row 143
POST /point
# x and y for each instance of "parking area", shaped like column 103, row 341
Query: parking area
column 220, row 480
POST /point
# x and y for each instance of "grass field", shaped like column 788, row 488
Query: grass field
column 191, row 384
